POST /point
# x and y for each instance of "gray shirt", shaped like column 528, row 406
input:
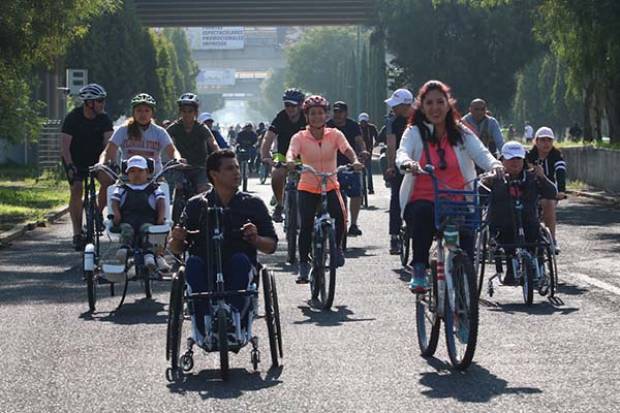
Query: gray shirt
column 154, row 140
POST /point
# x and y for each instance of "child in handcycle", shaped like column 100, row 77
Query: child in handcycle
column 136, row 205
column 529, row 186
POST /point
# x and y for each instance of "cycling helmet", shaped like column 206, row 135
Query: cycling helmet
column 92, row 91
column 314, row 101
column 189, row 99
column 294, row 96
column 249, row 125
column 143, row 98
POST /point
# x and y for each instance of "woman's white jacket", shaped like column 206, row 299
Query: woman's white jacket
column 470, row 152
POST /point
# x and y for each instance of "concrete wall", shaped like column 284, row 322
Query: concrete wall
column 597, row 167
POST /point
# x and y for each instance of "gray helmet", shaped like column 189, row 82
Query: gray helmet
column 143, row 98
column 189, row 99
column 92, row 91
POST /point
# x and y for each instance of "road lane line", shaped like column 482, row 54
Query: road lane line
column 597, row 283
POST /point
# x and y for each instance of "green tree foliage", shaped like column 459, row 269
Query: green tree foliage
column 32, row 35
column 271, row 93
column 475, row 50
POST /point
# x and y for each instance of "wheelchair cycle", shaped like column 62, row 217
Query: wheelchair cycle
column 533, row 264
column 98, row 273
column 225, row 328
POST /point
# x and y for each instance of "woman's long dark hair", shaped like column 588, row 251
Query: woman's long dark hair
column 134, row 129
column 453, row 118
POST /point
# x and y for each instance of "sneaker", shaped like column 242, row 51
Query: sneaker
column 78, row 242
column 304, row 272
column 395, row 245
column 162, row 264
column 149, row 262
column 419, row 283
column 121, row 255
column 277, row 213
column 339, row 257
column 354, row 230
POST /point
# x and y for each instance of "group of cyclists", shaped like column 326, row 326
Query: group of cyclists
column 425, row 130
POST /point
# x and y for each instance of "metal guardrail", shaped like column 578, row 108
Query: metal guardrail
column 48, row 145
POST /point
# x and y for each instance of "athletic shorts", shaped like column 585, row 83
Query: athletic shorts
column 350, row 183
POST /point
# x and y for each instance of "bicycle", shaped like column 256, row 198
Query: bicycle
column 324, row 247
column 184, row 190
column 452, row 294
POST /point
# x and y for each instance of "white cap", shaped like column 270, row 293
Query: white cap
column 399, row 97
column 545, row 132
column 137, row 161
column 363, row 116
column 513, row 149
column 204, row 116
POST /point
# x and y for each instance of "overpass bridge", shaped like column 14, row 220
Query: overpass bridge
column 202, row 13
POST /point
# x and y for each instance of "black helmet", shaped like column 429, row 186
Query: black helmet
column 294, row 96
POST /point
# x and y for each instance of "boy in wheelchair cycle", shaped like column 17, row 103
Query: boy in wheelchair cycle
column 136, row 206
column 517, row 183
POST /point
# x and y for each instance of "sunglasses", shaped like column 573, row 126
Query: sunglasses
column 100, row 100
column 442, row 159
column 290, row 105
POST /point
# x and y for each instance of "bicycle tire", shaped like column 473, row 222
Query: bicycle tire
column 527, row 279
column 364, row 189
column 465, row 323
column 175, row 319
column 222, row 335
column 270, row 318
column 244, row 174
column 326, row 268
column 480, row 256
column 91, row 289
column 276, row 310
column 550, row 260
column 426, row 310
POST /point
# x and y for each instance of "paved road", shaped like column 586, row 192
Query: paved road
column 362, row 356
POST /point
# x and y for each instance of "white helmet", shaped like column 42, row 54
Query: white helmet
column 188, row 99
column 92, row 91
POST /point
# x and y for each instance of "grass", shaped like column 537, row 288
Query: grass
column 601, row 144
column 577, row 185
column 26, row 196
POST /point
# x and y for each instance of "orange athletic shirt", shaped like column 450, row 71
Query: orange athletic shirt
column 451, row 177
column 319, row 154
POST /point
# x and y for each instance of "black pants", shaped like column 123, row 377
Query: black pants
column 308, row 204
column 420, row 219
column 395, row 220
column 370, row 185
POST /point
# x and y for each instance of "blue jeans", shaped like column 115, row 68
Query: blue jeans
column 395, row 220
column 238, row 273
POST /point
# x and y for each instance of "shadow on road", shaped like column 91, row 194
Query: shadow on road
column 587, row 213
column 328, row 317
column 571, row 289
column 476, row 385
column 542, row 308
column 357, row 252
column 208, row 384
column 142, row 311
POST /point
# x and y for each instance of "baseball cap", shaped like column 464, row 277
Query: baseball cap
column 363, row 116
column 204, row 116
column 340, row 105
column 513, row 149
column 137, row 161
column 544, row 132
column 399, row 97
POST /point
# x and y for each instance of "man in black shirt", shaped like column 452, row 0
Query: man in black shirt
column 400, row 102
column 350, row 182
column 287, row 123
column 247, row 228
column 85, row 132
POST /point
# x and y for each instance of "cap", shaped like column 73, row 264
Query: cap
column 400, row 97
column 340, row 106
column 204, row 116
column 513, row 149
column 137, row 161
column 544, row 132
column 363, row 117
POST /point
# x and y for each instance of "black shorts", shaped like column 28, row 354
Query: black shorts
column 80, row 176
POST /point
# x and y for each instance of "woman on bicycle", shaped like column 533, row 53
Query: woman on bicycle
column 318, row 146
column 435, row 136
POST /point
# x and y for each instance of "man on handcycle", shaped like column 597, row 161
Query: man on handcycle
column 136, row 206
column 529, row 186
column 247, row 229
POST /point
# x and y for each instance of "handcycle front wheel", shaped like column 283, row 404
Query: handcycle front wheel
column 527, row 278
column 323, row 279
column 91, row 289
column 427, row 321
column 461, row 321
column 222, row 335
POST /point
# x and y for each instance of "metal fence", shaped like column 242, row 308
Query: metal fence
column 48, row 146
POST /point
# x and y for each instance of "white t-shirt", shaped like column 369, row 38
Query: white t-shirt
column 154, row 140
column 529, row 133
column 120, row 194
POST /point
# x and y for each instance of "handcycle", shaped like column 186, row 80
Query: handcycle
column 225, row 328
column 452, row 296
column 533, row 264
column 98, row 273
column 324, row 246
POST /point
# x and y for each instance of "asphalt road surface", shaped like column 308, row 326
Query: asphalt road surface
column 360, row 357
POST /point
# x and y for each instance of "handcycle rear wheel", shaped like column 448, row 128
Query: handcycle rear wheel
column 549, row 260
column 272, row 317
column 222, row 335
column 175, row 319
column 323, row 280
column 461, row 322
column 480, row 256
column 427, row 321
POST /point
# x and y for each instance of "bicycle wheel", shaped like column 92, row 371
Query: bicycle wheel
column 427, row 321
column 405, row 246
column 244, row 174
column 270, row 316
column 461, row 321
column 364, row 189
column 276, row 311
column 324, row 268
column 175, row 319
column 480, row 256
column 222, row 326
column 527, row 278
column 549, row 261
column 91, row 289
column 291, row 226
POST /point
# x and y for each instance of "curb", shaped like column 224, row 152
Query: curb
column 20, row 229
column 604, row 198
